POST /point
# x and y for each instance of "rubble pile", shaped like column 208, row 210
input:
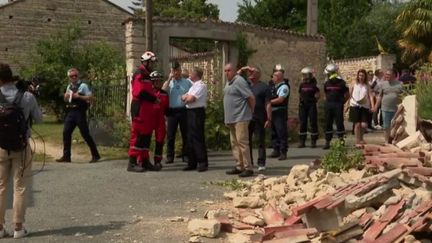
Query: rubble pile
column 389, row 200
column 385, row 202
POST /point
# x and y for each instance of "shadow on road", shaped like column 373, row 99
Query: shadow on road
column 85, row 230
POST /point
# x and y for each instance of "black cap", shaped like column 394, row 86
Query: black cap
column 175, row 65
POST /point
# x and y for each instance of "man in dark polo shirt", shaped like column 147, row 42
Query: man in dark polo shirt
column 261, row 118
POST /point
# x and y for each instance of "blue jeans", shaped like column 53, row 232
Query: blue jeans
column 387, row 118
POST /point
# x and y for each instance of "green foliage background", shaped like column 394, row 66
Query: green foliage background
column 98, row 63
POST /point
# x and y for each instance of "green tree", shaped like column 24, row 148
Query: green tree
column 377, row 24
column 99, row 63
column 340, row 22
column 415, row 23
column 274, row 13
column 350, row 26
column 180, row 8
column 193, row 9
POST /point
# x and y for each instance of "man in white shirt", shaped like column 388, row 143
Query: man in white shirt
column 196, row 99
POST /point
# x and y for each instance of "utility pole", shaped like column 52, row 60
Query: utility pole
column 148, row 8
column 312, row 17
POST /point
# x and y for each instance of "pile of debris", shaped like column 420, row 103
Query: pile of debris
column 390, row 200
column 385, row 202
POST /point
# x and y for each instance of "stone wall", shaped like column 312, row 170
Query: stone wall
column 292, row 53
column 273, row 46
column 348, row 67
column 24, row 22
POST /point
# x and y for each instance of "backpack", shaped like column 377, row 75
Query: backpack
column 13, row 125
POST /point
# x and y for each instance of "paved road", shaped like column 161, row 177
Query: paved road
column 103, row 203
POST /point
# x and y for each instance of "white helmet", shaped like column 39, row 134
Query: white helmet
column 148, row 56
column 155, row 75
column 307, row 70
column 331, row 68
column 278, row 67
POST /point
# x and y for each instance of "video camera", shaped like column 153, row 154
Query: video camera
column 33, row 85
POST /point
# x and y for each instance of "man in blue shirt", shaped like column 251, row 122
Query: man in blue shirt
column 78, row 97
column 176, row 87
column 279, row 103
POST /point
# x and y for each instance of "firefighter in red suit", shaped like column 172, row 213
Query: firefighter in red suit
column 143, row 115
column 161, row 110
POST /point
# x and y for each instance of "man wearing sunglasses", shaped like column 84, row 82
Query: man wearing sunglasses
column 78, row 97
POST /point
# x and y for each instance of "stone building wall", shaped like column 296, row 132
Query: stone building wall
column 24, row 22
column 348, row 67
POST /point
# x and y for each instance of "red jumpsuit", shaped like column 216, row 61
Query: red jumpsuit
column 143, row 113
column 160, row 127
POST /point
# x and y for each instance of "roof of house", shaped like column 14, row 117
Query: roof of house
column 107, row 1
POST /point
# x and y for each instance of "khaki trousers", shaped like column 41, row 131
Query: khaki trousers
column 18, row 165
column 239, row 136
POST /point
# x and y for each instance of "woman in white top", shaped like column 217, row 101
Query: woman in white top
column 361, row 102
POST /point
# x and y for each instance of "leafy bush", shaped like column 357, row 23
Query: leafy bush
column 217, row 134
column 341, row 158
column 98, row 62
column 423, row 91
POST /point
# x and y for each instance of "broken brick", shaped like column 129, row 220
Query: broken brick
column 296, row 232
column 375, row 230
column 272, row 216
column 292, row 220
column 397, row 232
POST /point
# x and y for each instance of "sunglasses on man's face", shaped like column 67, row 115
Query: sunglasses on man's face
column 73, row 76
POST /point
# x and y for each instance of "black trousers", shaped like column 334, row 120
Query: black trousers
column 334, row 112
column 377, row 117
column 256, row 127
column 308, row 112
column 197, row 149
column 280, row 130
column 73, row 119
column 176, row 118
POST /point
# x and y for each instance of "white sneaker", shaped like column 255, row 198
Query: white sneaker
column 3, row 233
column 18, row 234
column 261, row 168
column 378, row 127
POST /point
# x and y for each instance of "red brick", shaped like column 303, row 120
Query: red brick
column 272, row 216
column 299, row 210
column 271, row 229
column 375, row 230
column 292, row 220
column 242, row 226
column 392, row 235
column 426, row 171
column 365, row 218
column 296, row 232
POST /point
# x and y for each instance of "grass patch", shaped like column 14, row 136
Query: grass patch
column 233, row 184
column 52, row 132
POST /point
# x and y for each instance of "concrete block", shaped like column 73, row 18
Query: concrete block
column 410, row 115
column 414, row 140
column 248, row 202
column 204, row 227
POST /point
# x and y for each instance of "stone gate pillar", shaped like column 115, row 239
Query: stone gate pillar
column 135, row 47
column 386, row 61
